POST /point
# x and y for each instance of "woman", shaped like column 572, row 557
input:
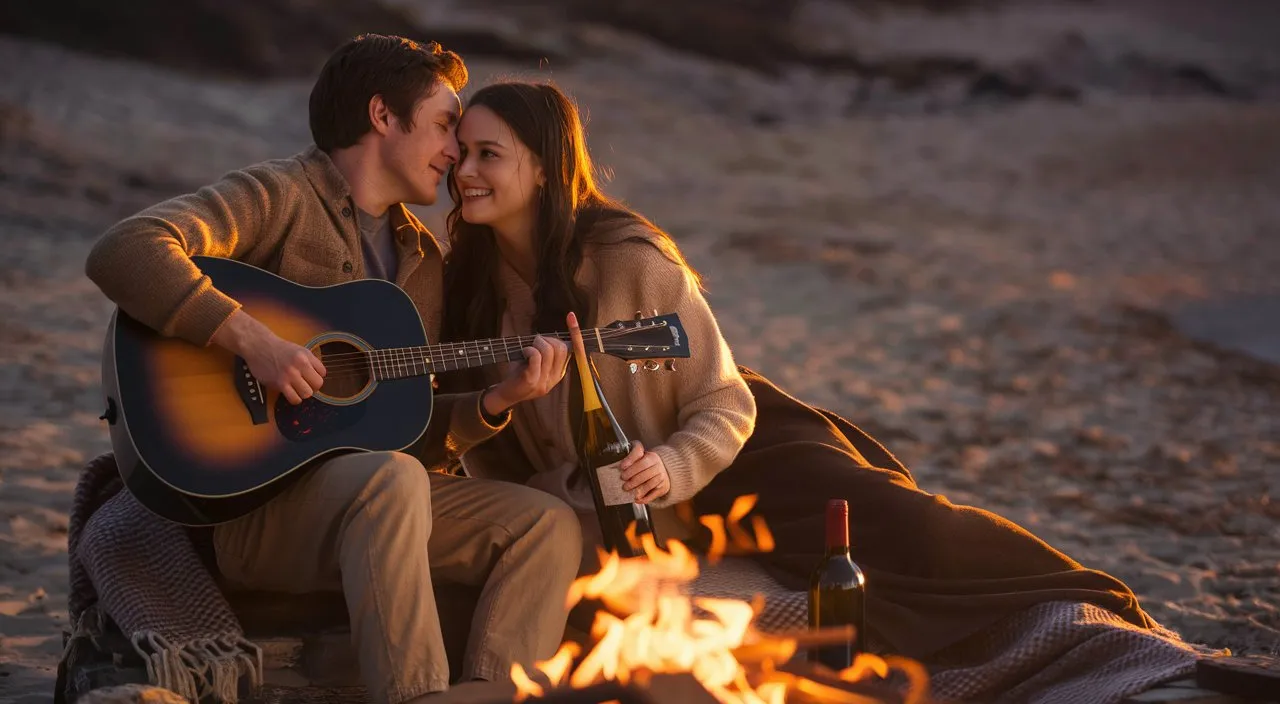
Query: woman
column 532, row 238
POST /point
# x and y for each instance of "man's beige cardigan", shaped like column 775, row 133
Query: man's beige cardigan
column 294, row 217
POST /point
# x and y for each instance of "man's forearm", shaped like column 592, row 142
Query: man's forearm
column 238, row 332
column 143, row 263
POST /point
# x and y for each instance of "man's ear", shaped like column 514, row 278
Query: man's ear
column 380, row 116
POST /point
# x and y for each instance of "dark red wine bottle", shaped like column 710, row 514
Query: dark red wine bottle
column 837, row 592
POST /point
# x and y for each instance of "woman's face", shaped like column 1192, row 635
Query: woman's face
column 497, row 176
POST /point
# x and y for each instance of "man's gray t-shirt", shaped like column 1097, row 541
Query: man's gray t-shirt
column 379, row 245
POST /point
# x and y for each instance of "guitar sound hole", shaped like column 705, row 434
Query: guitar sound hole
column 346, row 367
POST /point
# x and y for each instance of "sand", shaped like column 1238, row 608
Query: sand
column 990, row 287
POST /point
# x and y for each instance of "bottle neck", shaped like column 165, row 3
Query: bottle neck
column 837, row 528
column 590, row 393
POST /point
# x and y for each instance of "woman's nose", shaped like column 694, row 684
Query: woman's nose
column 465, row 167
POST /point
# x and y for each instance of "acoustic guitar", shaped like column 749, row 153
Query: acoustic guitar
column 200, row 441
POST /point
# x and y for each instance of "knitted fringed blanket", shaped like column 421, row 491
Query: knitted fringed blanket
column 144, row 574
column 1059, row 652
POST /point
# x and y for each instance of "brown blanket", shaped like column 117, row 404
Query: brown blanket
column 936, row 572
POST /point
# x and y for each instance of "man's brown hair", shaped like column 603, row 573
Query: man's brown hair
column 401, row 70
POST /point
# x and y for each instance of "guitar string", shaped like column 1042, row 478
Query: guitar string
column 609, row 333
column 391, row 365
column 413, row 356
column 367, row 364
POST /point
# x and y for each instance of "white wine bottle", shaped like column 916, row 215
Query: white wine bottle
column 601, row 447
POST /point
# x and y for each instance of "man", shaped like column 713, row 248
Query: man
column 376, row 525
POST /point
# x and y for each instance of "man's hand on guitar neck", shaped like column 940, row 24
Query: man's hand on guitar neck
column 284, row 366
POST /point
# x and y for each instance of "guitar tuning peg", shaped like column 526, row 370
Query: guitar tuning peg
column 651, row 365
column 632, row 366
column 639, row 315
column 654, row 314
column 670, row 365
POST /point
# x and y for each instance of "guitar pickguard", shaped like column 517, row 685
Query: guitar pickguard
column 314, row 419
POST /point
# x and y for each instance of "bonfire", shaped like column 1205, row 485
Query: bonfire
column 650, row 625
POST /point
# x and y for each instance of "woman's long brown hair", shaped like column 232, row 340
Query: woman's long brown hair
column 571, row 210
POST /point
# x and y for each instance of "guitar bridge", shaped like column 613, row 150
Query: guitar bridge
column 251, row 393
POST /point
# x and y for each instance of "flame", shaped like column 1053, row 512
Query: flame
column 917, row 676
column 650, row 625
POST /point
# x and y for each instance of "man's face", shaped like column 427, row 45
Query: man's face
column 419, row 158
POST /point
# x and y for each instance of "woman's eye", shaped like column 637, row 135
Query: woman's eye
column 487, row 153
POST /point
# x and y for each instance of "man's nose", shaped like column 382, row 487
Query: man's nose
column 451, row 151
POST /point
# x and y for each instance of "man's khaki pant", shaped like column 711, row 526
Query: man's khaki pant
column 380, row 527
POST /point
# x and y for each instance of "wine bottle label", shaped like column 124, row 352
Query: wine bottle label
column 610, row 477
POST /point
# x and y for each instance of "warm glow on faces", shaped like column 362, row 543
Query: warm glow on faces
column 416, row 160
column 498, row 177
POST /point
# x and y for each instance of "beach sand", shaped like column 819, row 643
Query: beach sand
column 992, row 288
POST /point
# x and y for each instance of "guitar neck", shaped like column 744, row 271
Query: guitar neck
column 404, row 362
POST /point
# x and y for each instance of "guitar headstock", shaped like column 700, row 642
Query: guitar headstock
column 658, row 337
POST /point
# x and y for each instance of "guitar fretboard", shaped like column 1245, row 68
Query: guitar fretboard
column 403, row 362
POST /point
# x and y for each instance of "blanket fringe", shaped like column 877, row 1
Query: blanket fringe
column 210, row 667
